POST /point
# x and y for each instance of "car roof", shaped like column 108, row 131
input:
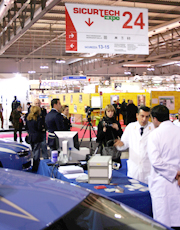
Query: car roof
column 11, row 146
column 30, row 201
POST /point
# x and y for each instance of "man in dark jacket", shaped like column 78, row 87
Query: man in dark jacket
column 17, row 122
column 54, row 122
column 15, row 103
column 117, row 107
column 124, row 111
column 131, row 112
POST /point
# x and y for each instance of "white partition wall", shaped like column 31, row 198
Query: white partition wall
column 13, row 85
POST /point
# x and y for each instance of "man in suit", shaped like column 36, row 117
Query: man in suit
column 54, row 122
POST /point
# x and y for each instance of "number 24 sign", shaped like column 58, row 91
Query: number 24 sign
column 138, row 21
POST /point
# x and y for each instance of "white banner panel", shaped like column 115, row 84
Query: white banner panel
column 106, row 29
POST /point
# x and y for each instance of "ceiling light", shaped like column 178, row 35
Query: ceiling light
column 150, row 69
column 60, row 61
column 170, row 63
column 127, row 72
column 31, row 71
column 44, row 67
column 137, row 65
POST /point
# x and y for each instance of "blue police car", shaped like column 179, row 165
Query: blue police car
column 14, row 155
column 30, row 201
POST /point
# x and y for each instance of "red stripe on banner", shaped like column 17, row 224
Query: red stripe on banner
column 71, row 34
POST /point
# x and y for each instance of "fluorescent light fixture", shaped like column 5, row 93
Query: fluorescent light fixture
column 31, row 71
column 127, row 72
column 170, row 63
column 137, row 65
column 44, row 67
column 150, row 69
column 60, row 61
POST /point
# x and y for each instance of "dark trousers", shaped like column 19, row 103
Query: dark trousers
column 44, row 147
column 15, row 134
column 36, row 155
column 124, row 117
column 117, row 116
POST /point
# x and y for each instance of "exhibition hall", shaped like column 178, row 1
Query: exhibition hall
column 89, row 114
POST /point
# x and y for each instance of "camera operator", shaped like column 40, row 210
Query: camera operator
column 109, row 128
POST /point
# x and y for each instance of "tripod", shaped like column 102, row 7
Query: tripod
column 89, row 124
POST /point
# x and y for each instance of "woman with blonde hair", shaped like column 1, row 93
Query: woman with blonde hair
column 66, row 118
column 34, row 127
column 109, row 129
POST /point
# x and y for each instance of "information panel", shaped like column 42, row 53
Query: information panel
column 106, row 29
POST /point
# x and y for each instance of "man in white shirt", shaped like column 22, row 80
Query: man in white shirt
column 135, row 138
column 177, row 121
column 164, row 179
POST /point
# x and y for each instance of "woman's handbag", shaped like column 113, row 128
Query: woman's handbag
column 111, row 150
column 27, row 139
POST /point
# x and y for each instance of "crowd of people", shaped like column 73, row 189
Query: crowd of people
column 37, row 122
column 154, row 156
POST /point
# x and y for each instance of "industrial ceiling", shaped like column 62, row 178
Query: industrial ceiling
column 37, row 29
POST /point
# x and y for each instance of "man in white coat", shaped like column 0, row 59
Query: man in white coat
column 135, row 138
column 164, row 179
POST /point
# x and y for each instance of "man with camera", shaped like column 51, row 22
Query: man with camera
column 135, row 138
column 109, row 129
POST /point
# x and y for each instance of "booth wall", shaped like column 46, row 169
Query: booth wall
column 13, row 85
column 171, row 99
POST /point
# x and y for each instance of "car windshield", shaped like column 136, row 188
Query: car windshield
column 96, row 212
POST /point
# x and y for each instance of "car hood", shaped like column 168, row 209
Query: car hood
column 30, row 201
column 11, row 146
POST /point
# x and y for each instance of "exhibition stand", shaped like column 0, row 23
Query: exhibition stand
column 135, row 198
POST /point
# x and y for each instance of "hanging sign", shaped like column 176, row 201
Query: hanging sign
column 106, row 29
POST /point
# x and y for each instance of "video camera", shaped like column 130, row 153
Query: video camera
column 107, row 122
column 88, row 110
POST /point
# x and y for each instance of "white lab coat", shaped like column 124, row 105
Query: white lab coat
column 176, row 122
column 138, row 164
column 164, row 155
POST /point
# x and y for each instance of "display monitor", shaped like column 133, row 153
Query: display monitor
column 70, row 136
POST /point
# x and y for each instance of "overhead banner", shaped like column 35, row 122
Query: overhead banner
column 106, row 29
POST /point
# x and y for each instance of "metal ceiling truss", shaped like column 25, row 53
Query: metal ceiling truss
column 35, row 28
column 25, row 14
